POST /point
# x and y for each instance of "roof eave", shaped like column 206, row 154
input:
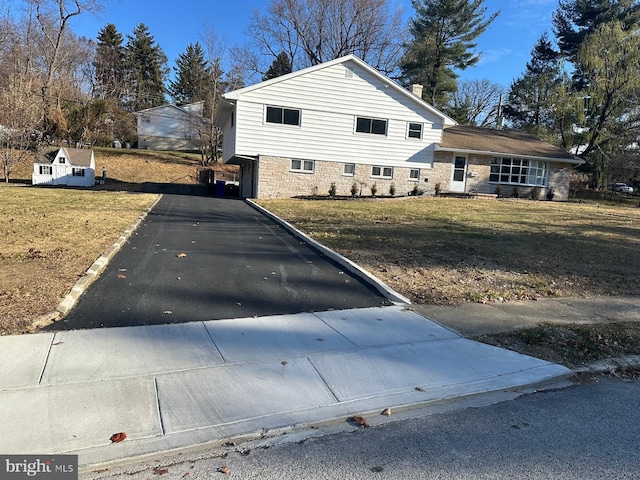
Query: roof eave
column 574, row 161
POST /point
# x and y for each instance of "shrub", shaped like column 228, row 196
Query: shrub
column 498, row 191
column 515, row 193
column 392, row 189
column 438, row 188
column 332, row 189
column 374, row 189
column 354, row 189
column 550, row 194
column 536, row 192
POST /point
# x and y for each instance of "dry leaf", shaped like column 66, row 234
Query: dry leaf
column 101, row 470
column 284, row 363
column 180, row 255
column 386, row 412
column 121, row 276
column 224, row 470
column 122, row 269
column 360, row 421
column 167, row 312
column 186, row 474
column 419, row 389
column 118, row 437
column 58, row 343
column 160, row 471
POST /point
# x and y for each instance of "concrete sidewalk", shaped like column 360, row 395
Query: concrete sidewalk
column 175, row 386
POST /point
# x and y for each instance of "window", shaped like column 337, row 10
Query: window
column 414, row 174
column 518, row 171
column 415, row 130
column 285, row 116
column 62, row 160
column 78, row 172
column 371, row 125
column 382, row 172
column 233, row 119
column 306, row 166
column 349, row 169
column 46, row 170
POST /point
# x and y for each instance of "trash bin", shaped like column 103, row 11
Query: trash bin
column 220, row 188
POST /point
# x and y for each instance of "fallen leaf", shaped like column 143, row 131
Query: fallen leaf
column 121, row 276
column 122, row 269
column 238, row 303
column 178, row 278
column 284, row 363
column 58, row 343
column 360, row 421
column 160, row 471
column 167, row 312
column 180, row 255
column 186, row 474
column 229, row 444
column 386, row 412
column 419, row 389
column 224, row 470
column 118, row 437
column 101, row 470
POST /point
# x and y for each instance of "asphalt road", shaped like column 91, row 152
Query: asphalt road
column 204, row 258
column 589, row 431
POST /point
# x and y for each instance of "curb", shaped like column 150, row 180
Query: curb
column 92, row 273
column 610, row 365
column 347, row 264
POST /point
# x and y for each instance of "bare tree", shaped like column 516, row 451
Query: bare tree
column 315, row 31
column 476, row 102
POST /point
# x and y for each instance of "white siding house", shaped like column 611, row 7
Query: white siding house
column 170, row 127
column 74, row 167
column 342, row 125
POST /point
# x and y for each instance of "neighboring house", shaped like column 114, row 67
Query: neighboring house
column 169, row 127
column 74, row 167
column 344, row 123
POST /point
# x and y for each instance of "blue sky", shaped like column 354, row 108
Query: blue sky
column 506, row 45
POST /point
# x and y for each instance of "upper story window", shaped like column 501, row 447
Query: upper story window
column 414, row 130
column 285, row 116
column 62, row 160
column 371, row 125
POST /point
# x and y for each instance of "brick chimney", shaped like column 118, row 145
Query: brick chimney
column 416, row 89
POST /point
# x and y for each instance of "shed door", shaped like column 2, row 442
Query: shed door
column 459, row 174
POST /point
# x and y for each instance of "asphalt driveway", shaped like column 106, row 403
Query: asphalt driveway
column 203, row 258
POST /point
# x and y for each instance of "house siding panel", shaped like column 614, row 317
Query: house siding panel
column 329, row 103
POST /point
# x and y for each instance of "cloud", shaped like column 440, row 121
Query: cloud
column 492, row 55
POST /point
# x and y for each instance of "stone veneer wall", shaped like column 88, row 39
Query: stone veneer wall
column 277, row 181
column 481, row 164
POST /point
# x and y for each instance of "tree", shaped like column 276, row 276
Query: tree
column 311, row 32
column 109, row 65
column 193, row 77
column 146, row 70
column 476, row 102
column 531, row 101
column 444, row 34
column 280, row 66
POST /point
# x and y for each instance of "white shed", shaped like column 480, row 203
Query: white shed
column 74, row 167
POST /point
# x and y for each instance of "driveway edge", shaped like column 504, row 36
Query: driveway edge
column 92, row 273
column 347, row 264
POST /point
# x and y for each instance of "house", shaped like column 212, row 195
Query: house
column 74, row 167
column 170, row 127
column 343, row 123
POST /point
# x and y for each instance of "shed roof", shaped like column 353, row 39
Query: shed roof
column 463, row 138
column 80, row 157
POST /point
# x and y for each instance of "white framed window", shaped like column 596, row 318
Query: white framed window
column 374, row 126
column 518, row 171
column 284, row 116
column 414, row 130
column 46, row 170
column 305, row 166
column 78, row 172
column 349, row 169
column 381, row 172
column 62, row 160
column 414, row 174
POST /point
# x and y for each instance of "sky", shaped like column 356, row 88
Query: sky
column 505, row 45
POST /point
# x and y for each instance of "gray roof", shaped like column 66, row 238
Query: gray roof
column 79, row 157
column 501, row 142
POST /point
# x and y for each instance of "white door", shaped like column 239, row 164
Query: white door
column 459, row 174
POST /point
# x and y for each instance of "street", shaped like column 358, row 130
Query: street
column 587, row 431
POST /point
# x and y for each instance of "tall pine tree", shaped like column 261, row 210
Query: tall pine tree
column 444, row 34
column 280, row 66
column 193, row 76
column 109, row 65
column 146, row 70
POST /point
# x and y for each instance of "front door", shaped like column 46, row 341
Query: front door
column 459, row 175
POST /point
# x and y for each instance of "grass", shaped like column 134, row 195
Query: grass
column 450, row 251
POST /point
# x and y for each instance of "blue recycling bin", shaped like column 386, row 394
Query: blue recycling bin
column 220, row 188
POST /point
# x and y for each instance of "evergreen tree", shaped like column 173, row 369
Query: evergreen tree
column 280, row 66
column 531, row 97
column 109, row 64
column 146, row 70
column 444, row 34
column 193, row 77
